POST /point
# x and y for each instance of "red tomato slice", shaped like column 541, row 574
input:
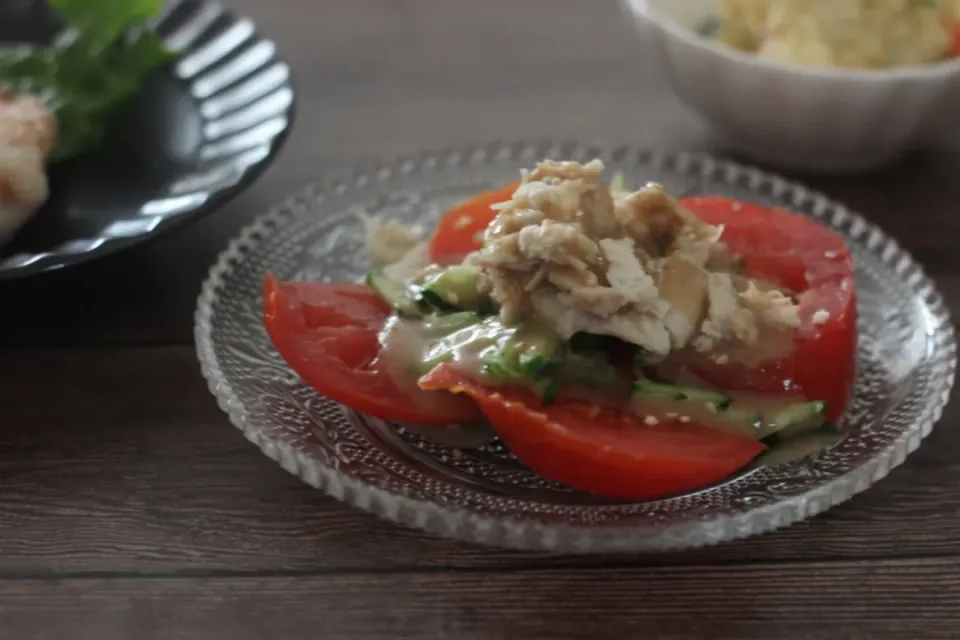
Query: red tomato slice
column 602, row 450
column 815, row 264
column 456, row 235
column 954, row 49
column 327, row 333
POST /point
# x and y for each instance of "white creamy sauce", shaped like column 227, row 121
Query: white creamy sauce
column 411, row 348
column 403, row 346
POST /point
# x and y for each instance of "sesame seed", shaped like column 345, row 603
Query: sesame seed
column 684, row 418
column 821, row 316
column 651, row 420
column 671, row 414
column 462, row 221
column 711, row 407
column 721, row 358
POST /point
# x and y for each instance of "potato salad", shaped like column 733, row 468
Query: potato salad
column 860, row 34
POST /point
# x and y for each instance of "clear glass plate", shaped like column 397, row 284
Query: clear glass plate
column 907, row 357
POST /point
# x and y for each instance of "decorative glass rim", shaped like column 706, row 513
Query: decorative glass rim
column 464, row 524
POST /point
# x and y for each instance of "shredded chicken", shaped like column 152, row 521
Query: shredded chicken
column 771, row 307
column 412, row 266
column 388, row 241
column 571, row 253
column 28, row 131
column 626, row 273
column 558, row 243
column 726, row 319
column 636, row 266
column 683, row 284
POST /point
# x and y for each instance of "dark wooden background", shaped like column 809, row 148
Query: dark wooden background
column 130, row 508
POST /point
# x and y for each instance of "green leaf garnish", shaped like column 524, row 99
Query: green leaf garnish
column 102, row 22
column 92, row 70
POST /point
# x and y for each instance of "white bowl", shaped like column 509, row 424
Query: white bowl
column 794, row 117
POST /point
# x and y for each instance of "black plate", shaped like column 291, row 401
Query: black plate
column 200, row 132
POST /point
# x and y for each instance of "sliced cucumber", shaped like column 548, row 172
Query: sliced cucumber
column 792, row 420
column 800, row 447
column 547, row 390
column 665, row 391
column 537, row 347
column 466, row 344
column 502, row 369
column 778, row 424
column 430, row 299
column 455, row 288
column 395, row 294
column 441, row 325
column 525, row 359
column 590, row 370
column 526, row 355
column 743, row 415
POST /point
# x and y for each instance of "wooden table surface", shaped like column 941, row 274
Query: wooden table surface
column 130, row 508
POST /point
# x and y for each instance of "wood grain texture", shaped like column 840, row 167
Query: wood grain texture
column 886, row 599
column 161, row 482
column 131, row 508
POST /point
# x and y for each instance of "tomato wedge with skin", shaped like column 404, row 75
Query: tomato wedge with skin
column 954, row 49
column 602, row 450
column 815, row 264
column 328, row 334
column 457, row 232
